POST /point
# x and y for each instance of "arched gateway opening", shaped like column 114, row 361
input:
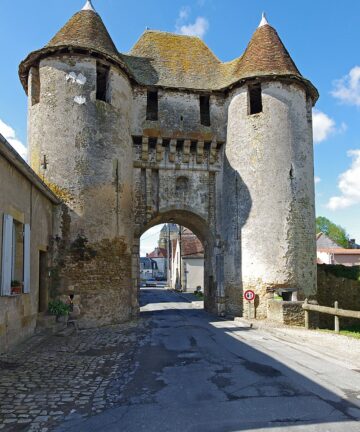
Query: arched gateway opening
column 198, row 226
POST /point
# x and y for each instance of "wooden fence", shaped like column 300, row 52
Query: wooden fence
column 330, row 311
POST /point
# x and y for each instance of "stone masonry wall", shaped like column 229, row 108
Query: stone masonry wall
column 269, row 168
column 20, row 199
column 87, row 146
column 332, row 288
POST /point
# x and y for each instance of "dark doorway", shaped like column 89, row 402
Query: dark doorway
column 43, row 288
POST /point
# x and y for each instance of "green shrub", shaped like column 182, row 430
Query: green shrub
column 58, row 308
column 343, row 271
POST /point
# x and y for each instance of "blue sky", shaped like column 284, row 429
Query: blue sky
column 321, row 36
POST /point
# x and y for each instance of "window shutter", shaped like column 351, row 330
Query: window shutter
column 6, row 255
column 26, row 258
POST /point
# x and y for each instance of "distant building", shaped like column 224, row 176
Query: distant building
column 329, row 252
column 187, row 261
column 323, row 241
column 159, row 255
column 337, row 255
column 148, row 268
column 168, row 230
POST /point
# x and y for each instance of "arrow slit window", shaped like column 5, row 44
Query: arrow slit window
column 254, row 99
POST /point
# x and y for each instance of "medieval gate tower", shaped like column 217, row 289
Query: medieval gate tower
column 169, row 133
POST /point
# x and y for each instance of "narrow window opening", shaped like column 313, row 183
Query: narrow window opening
column 102, row 82
column 35, row 85
column 152, row 143
column 137, row 140
column 205, row 110
column 179, row 145
column 207, row 145
column 152, row 105
column 255, row 99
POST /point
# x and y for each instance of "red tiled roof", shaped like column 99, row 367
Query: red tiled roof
column 191, row 246
column 158, row 253
column 340, row 251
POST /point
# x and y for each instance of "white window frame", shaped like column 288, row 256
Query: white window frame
column 7, row 253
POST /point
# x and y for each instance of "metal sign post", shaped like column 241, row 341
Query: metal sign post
column 249, row 296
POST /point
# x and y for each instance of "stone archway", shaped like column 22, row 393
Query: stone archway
column 203, row 231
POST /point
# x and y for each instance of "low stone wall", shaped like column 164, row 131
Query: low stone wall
column 286, row 312
column 334, row 287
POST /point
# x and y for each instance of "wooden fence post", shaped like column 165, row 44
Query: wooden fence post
column 337, row 321
column 307, row 325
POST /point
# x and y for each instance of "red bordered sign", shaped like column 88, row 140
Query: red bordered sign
column 249, row 295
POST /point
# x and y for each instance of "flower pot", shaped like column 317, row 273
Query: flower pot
column 16, row 289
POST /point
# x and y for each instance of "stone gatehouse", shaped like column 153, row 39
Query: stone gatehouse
column 167, row 132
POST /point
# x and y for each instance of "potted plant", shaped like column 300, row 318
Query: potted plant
column 16, row 287
column 59, row 309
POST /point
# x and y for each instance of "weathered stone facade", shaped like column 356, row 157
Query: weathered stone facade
column 242, row 182
column 29, row 202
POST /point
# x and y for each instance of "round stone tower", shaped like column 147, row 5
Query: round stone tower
column 269, row 175
column 80, row 101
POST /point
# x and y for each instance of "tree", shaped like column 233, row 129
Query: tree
column 335, row 232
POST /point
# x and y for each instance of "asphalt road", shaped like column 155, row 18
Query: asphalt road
column 194, row 372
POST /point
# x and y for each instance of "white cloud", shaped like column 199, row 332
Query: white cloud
column 198, row 28
column 349, row 185
column 347, row 89
column 323, row 126
column 10, row 135
column 184, row 14
column 317, row 180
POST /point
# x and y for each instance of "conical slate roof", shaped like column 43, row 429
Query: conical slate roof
column 265, row 55
column 86, row 30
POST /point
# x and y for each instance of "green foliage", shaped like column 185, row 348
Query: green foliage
column 58, row 308
column 15, row 283
column 343, row 271
column 353, row 331
column 335, row 232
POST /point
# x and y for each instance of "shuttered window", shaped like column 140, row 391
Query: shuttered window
column 15, row 261
column 7, row 255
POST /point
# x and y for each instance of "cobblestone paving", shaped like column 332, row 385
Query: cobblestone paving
column 47, row 380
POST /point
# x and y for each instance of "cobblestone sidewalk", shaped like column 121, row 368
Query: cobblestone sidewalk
column 47, row 380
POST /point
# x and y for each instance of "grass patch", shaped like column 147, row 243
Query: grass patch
column 351, row 331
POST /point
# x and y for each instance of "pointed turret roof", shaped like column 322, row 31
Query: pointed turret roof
column 172, row 60
column 266, row 55
column 85, row 29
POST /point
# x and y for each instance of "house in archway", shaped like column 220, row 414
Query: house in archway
column 187, row 262
column 168, row 133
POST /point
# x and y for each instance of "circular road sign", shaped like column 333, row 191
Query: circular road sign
column 249, row 295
